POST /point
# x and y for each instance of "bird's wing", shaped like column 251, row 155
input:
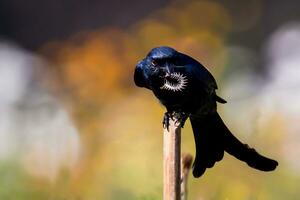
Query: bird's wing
column 202, row 76
column 203, row 79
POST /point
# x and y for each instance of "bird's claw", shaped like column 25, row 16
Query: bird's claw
column 166, row 120
column 180, row 118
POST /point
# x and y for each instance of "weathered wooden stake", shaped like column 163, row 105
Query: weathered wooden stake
column 171, row 163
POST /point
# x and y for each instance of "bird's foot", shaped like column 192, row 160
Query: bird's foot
column 166, row 120
column 179, row 117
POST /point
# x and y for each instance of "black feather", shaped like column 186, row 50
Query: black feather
column 220, row 100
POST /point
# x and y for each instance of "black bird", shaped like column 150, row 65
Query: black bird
column 188, row 90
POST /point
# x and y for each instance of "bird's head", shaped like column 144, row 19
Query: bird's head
column 161, row 70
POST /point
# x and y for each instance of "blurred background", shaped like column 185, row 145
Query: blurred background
column 73, row 126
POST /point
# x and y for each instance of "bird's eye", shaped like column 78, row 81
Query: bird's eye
column 154, row 63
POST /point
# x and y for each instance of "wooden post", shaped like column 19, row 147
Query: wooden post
column 171, row 163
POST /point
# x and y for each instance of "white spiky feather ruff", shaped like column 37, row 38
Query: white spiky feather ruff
column 181, row 82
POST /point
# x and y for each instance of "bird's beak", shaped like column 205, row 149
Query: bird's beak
column 139, row 78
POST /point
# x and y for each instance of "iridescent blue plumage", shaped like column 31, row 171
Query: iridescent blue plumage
column 188, row 90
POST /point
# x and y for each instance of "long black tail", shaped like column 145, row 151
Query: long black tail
column 212, row 137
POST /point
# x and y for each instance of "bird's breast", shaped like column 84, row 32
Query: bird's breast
column 189, row 100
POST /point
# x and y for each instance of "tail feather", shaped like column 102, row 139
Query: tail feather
column 212, row 138
column 209, row 144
